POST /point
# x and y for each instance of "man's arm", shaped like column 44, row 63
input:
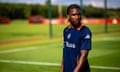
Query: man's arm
column 61, row 68
column 81, row 61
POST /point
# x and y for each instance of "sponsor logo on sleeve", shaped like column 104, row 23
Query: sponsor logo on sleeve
column 87, row 36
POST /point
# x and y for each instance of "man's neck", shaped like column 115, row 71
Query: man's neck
column 77, row 28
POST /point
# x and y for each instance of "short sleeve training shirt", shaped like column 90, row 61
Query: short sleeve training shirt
column 74, row 41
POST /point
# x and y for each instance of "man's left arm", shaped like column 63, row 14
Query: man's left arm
column 81, row 61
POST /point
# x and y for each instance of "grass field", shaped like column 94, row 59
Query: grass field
column 44, row 54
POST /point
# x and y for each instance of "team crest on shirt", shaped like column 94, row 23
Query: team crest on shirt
column 68, row 36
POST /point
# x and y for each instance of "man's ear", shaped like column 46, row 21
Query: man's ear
column 68, row 17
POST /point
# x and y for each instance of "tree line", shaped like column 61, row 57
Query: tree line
column 24, row 11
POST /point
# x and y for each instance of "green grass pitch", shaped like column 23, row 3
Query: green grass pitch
column 44, row 54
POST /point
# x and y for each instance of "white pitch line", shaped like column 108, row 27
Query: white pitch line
column 106, row 67
column 38, row 47
column 54, row 64
column 26, row 48
column 107, row 39
column 30, row 62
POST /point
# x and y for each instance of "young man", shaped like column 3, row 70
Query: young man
column 77, row 43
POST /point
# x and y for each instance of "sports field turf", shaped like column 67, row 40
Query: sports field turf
column 38, row 53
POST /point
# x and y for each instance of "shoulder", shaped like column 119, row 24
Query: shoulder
column 86, row 32
column 67, row 28
column 85, row 29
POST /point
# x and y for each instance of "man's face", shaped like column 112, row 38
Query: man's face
column 74, row 17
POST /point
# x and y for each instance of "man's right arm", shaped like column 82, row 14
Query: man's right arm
column 61, row 68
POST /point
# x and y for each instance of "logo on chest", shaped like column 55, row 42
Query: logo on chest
column 70, row 45
column 69, row 36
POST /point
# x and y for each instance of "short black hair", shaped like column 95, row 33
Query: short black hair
column 72, row 6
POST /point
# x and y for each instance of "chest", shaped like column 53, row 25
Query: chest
column 72, row 36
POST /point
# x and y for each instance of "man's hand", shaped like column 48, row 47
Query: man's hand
column 84, row 54
column 76, row 69
column 61, row 68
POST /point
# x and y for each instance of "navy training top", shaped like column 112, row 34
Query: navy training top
column 74, row 41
